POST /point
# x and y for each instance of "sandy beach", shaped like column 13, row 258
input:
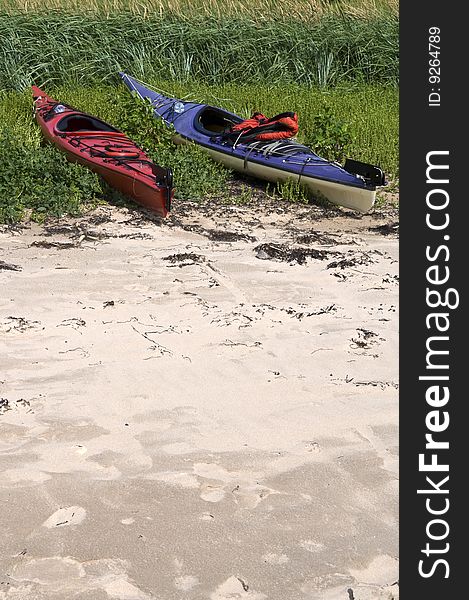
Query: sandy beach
column 204, row 408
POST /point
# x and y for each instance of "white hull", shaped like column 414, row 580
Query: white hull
column 347, row 196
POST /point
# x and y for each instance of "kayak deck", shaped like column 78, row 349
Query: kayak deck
column 352, row 185
column 87, row 140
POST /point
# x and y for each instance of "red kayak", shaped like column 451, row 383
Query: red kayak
column 105, row 150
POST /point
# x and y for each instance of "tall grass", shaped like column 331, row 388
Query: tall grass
column 55, row 47
column 304, row 10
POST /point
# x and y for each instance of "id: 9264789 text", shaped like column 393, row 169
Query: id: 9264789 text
column 434, row 68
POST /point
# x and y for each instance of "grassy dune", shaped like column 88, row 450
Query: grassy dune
column 64, row 47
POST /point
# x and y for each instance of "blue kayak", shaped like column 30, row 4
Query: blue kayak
column 352, row 185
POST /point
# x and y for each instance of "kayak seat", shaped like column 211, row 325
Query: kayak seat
column 72, row 123
column 212, row 121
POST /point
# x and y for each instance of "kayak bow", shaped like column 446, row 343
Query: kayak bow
column 105, row 150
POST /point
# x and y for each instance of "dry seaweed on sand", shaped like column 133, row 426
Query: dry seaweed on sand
column 9, row 267
column 184, row 259
column 286, row 253
column 386, row 229
column 228, row 236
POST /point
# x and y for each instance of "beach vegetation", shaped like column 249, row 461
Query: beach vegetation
column 334, row 63
column 57, row 47
column 41, row 181
column 364, row 119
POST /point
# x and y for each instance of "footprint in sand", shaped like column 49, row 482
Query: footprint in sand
column 245, row 496
column 212, row 493
column 313, row 447
column 275, row 559
column 383, row 570
column 251, row 496
column 311, row 546
column 245, row 493
column 69, row 515
column 67, row 577
column 236, row 587
column 206, row 516
column 186, row 582
column 182, row 582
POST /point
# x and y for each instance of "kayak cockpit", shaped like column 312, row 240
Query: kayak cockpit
column 213, row 121
column 76, row 123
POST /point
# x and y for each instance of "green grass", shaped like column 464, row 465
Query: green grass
column 370, row 114
column 36, row 178
column 63, row 47
column 43, row 181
